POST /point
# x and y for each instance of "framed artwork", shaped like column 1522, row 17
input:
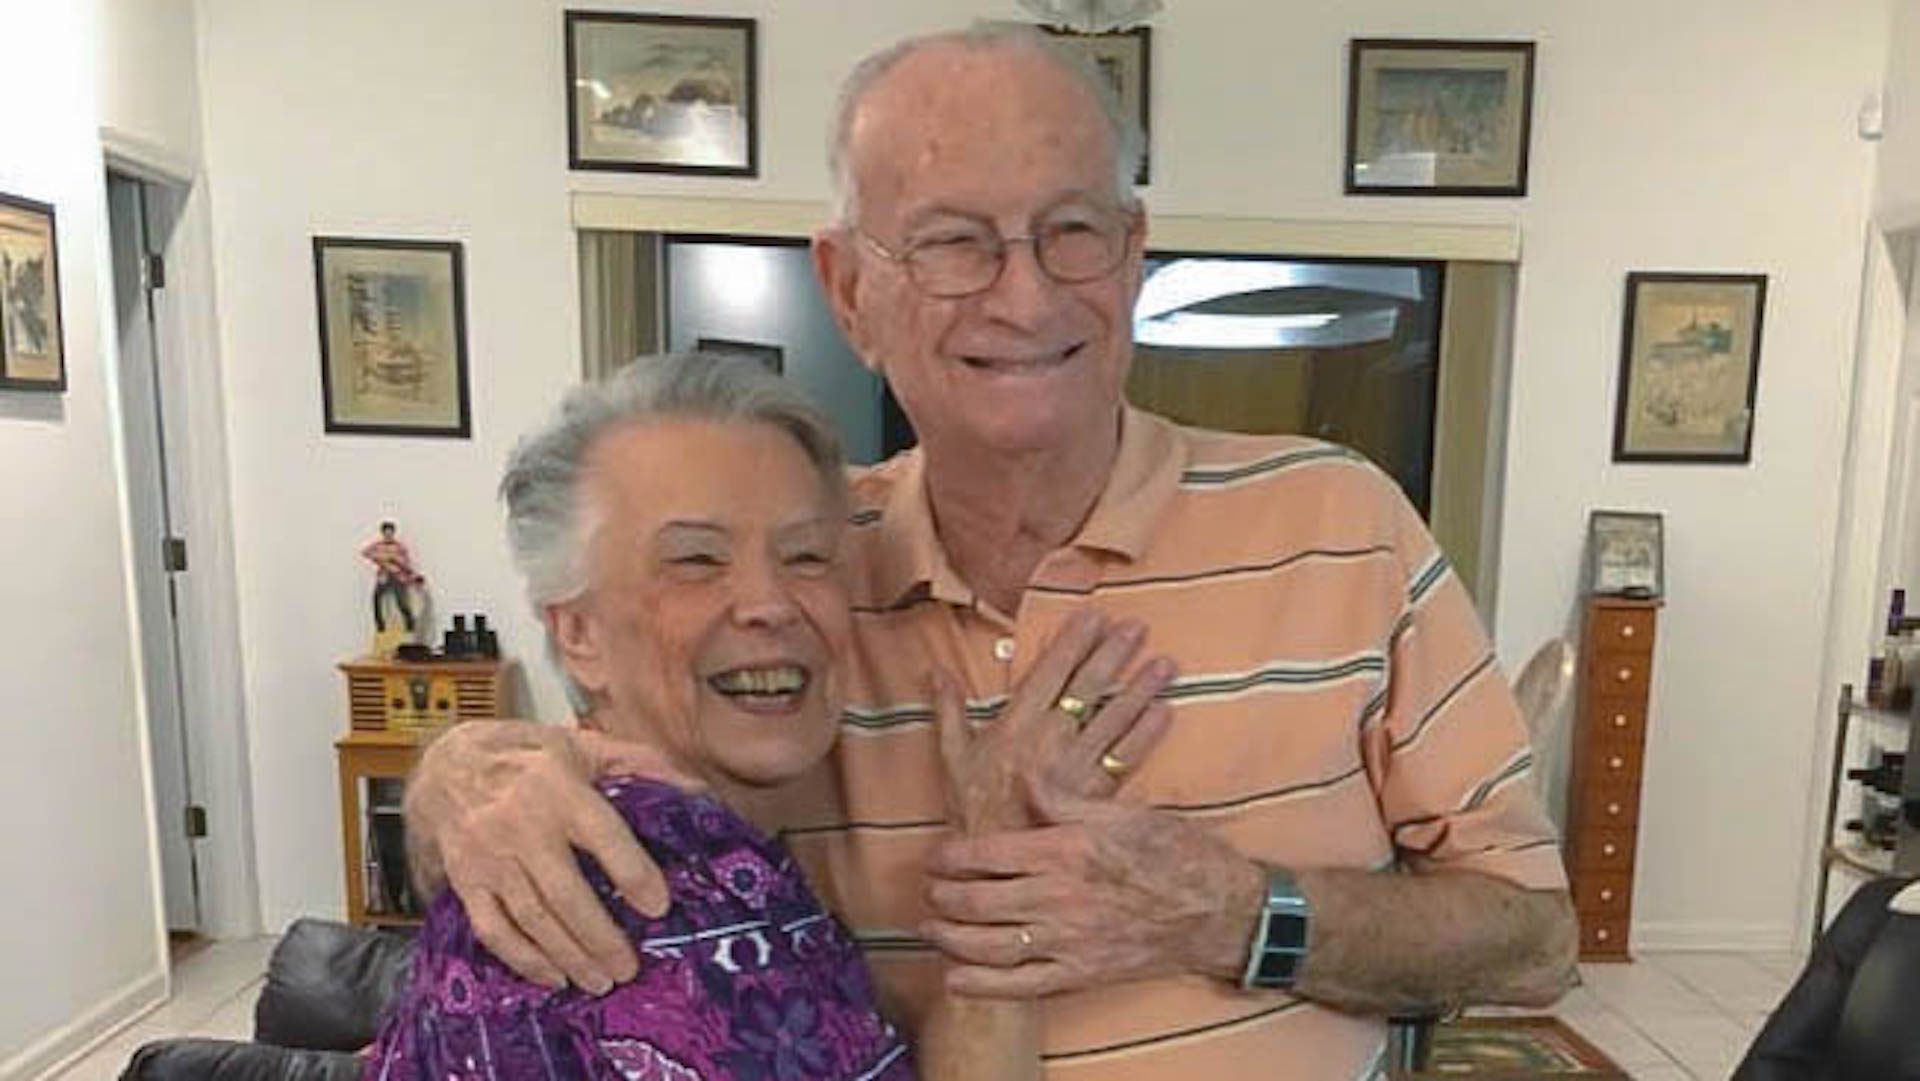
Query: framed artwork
column 769, row 355
column 393, row 336
column 661, row 94
column 1125, row 58
column 1689, row 367
column 33, row 353
column 1626, row 554
column 1438, row 117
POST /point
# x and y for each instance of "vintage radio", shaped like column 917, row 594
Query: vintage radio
column 402, row 696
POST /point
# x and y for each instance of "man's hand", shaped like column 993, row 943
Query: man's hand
column 496, row 810
column 1106, row 892
column 988, row 774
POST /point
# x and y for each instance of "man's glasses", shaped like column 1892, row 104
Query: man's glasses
column 966, row 258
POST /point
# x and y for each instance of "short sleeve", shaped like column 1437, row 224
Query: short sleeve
column 1448, row 755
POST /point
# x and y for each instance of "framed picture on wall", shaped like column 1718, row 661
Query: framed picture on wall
column 771, row 356
column 1438, row 117
column 1626, row 554
column 1689, row 367
column 1125, row 59
column 33, row 354
column 393, row 336
column 661, row 94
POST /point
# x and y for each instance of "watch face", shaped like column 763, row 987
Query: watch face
column 1286, row 932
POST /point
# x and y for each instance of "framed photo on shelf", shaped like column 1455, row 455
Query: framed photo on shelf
column 393, row 336
column 1689, row 367
column 771, row 356
column 1626, row 554
column 1431, row 117
column 33, row 353
column 661, row 94
column 1125, row 59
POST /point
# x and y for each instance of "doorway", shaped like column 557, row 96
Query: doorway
column 141, row 217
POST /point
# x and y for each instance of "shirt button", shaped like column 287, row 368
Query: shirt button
column 1003, row 649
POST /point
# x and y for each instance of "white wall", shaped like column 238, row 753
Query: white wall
column 78, row 917
column 1897, row 203
column 1715, row 135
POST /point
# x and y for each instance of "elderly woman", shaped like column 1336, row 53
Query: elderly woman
column 679, row 529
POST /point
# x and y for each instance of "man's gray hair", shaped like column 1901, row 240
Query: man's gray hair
column 1128, row 140
column 549, row 527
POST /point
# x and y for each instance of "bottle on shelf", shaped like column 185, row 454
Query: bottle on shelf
column 1889, row 683
column 1883, row 776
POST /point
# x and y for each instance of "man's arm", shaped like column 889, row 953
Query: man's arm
column 496, row 809
column 1123, row 893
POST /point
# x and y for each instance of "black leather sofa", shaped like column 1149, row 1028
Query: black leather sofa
column 325, row 987
column 1851, row 1016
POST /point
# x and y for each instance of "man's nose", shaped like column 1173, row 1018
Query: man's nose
column 1024, row 294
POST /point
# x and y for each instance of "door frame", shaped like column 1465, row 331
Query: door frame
column 186, row 335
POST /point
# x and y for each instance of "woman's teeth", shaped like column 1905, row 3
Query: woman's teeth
column 771, row 681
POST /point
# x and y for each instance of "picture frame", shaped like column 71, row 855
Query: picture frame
column 1438, row 117
column 33, row 354
column 1626, row 554
column 662, row 93
column 770, row 356
column 1125, row 58
column 392, row 322
column 1689, row 367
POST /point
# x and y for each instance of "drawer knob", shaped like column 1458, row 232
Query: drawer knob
column 1602, row 935
column 1606, row 895
column 1615, row 762
column 1619, row 720
column 1625, row 675
column 1627, row 631
column 1608, row 849
column 1613, row 809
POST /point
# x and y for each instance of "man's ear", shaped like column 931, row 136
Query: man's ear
column 576, row 638
column 837, row 266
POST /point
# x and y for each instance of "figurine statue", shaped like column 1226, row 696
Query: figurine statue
column 396, row 580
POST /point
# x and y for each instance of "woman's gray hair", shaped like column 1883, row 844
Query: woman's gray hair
column 1128, row 140
column 549, row 527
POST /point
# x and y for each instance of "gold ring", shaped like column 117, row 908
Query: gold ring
column 1076, row 708
column 1024, row 936
column 1115, row 766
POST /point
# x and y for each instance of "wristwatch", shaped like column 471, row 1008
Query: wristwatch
column 1280, row 941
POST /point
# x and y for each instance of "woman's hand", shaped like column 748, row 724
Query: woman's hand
column 1038, row 743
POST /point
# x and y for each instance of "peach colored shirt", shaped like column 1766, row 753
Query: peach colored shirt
column 1338, row 706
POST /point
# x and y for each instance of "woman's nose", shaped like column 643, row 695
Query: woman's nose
column 762, row 597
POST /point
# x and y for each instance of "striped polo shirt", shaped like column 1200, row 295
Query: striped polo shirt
column 1338, row 705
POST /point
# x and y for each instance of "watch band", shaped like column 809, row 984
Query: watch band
column 1280, row 941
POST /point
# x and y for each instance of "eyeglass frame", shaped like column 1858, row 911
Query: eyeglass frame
column 1130, row 215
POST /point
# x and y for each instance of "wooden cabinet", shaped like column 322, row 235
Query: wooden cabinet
column 395, row 709
column 1610, row 743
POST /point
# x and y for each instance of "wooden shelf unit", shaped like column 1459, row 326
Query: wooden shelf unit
column 396, row 708
column 1603, row 805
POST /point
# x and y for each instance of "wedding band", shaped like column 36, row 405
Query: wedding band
column 1115, row 766
column 1076, row 708
column 1024, row 936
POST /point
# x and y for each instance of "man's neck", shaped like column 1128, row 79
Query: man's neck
column 998, row 515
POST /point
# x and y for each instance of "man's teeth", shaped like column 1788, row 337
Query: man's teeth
column 783, row 679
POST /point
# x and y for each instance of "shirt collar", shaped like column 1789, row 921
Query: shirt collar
column 1146, row 473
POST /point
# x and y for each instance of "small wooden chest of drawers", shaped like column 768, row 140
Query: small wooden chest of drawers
column 1603, row 797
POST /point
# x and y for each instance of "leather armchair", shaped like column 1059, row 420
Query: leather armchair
column 1849, row 1017
column 326, row 985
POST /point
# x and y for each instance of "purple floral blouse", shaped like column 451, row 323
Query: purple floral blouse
column 746, row 977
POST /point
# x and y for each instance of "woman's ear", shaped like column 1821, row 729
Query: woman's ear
column 577, row 641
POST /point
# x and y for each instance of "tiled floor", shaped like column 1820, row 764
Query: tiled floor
column 1678, row 1016
column 1670, row 1017
column 213, row 994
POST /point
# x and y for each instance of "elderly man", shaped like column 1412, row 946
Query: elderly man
column 1337, row 717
